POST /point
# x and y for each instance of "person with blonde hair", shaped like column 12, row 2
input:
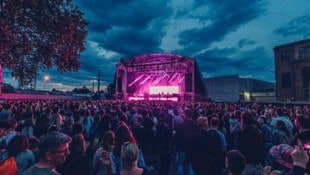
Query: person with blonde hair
column 129, row 155
column 202, row 122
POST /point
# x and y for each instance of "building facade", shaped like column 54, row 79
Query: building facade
column 292, row 71
column 232, row 88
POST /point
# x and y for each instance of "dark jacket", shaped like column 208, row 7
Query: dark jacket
column 251, row 143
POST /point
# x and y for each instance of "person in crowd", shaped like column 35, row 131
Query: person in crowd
column 266, row 129
column 302, row 123
column 177, row 118
column 103, row 126
column 56, row 118
column 94, row 127
column 281, row 156
column 214, row 125
column 6, row 112
column 139, row 132
column 5, row 127
column 123, row 134
column 68, row 125
column 235, row 125
column 130, row 154
column 282, row 117
column 41, row 125
column 7, row 132
column 28, row 128
column 53, row 150
column 296, row 161
column 34, row 146
column 281, row 134
column 87, row 121
column 78, row 128
column 187, row 142
column 18, row 148
column 165, row 140
column 203, row 123
column 300, row 157
column 77, row 162
column 235, row 162
column 251, row 143
column 211, row 150
column 102, row 161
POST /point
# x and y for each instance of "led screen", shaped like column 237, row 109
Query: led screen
column 164, row 90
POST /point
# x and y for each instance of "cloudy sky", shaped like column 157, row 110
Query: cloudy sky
column 224, row 36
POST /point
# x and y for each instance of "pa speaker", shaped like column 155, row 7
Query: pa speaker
column 188, row 82
column 119, row 84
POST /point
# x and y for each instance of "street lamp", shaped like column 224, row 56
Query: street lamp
column 46, row 78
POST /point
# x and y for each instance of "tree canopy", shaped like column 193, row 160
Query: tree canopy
column 40, row 34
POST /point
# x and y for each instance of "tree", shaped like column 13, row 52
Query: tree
column 83, row 90
column 40, row 34
column 111, row 88
column 7, row 88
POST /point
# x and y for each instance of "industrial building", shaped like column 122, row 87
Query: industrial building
column 232, row 88
column 292, row 71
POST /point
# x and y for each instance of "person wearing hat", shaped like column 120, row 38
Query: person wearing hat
column 293, row 160
column 281, row 155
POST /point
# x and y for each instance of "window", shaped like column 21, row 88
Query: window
column 304, row 52
column 286, row 80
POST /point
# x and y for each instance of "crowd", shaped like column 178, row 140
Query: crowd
column 100, row 137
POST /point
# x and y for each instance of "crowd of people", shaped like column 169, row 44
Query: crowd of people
column 101, row 137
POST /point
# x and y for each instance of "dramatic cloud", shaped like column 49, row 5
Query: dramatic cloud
column 228, row 17
column 245, row 42
column 299, row 26
column 226, row 37
column 218, row 62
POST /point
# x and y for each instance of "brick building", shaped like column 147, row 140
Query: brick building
column 292, row 71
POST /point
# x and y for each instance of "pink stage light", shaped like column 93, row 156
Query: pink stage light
column 180, row 80
column 136, row 80
column 172, row 78
column 147, row 78
column 164, row 90
column 159, row 79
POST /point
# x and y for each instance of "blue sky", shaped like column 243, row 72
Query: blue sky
column 224, row 36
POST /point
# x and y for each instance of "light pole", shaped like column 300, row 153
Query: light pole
column 46, row 78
